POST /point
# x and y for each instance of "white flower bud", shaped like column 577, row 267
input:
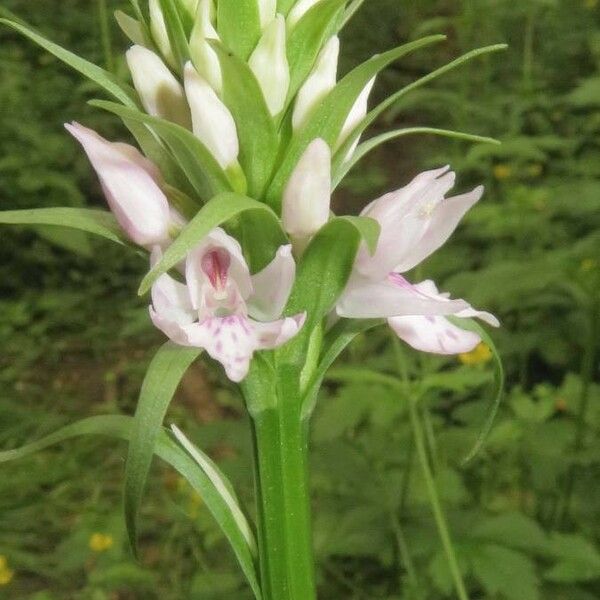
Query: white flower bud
column 161, row 94
column 357, row 113
column 307, row 196
column 212, row 122
column 319, row 83
column 159, row 32
column 270, row 66
column 266, row 10
column 203, row 56
column 299, row 10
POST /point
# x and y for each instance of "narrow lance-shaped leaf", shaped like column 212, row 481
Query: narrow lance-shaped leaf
column 342, row 167
column 256, row 131
column 329, row 116
column 176, row 31
column 498, row 388
column 119, row 426
column 162, row 379
column 98, row 222
column 383, row 106
column 307, row 39
column 200, row 167
column 217, row 211
column 103, row 78
column 239, row 25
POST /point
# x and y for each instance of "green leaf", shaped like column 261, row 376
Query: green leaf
column 350, row 12
column 98, row 222
column 167, row 449
column 199, row 165
column 342, row 167
column 239, row 25
column 330, row 115
column 383, row 106
column 325, row 266
column 176, row 31
column 307, row 39
column 498, row 388
column 258, row 137
column 506, row 572
column 214, row 213
column 160, row 383
column 578, row 559
column 284, row 6
column 104, row 79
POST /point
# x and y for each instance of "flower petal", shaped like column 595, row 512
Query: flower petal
column 434, row 334
column 130, row 183
column 276, row 333
column 272, row 286
column 394, row 296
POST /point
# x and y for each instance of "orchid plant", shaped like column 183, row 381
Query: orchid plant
column 244, row 131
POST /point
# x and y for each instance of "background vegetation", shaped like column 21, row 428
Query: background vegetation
column 524, row 515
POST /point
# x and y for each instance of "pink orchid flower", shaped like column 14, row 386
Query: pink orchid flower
column 415, row 221
column 222, row 307
column 133, row 188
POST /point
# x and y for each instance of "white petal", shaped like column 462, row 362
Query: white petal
column 394, row 296
column 130, row 184
column 318, row 84
column 272, row 286
column 276, row 333
column 161, row 94
column 307, row 196
column 203, row 56
column 266, row 10
column 270, row 65
column 439, row 227
column 434, row 334
column 213, row 124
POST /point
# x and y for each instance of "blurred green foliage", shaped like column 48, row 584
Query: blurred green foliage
column 524, row 515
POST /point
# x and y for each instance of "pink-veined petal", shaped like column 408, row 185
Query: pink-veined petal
column 434, row 334
column 272, row 286
column 130, row 186
column 393, row 296
column 276, row 333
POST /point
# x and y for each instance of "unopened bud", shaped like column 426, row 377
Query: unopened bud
column 161, row 94
column 158, row 28
column 318, row 84
column 307, row 196
column 203, row 56
column 212, row 122
column 357, row 113
column 266, row 10
column 270, row 66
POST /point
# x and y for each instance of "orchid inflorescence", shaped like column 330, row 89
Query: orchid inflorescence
column 245, row 130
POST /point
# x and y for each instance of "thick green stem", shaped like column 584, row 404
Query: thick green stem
column 285, row 543
column 436, row 506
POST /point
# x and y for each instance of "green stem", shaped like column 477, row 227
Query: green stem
column 105, row 37
column 436, row 506
column 285, row 544
column 587, row 375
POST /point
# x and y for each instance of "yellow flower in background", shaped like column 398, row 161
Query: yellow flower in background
column 481, row 354
column 100, row 542
column 589, row 4
column 502, row 172
column 535, row 170
column 588, row 264
column 6, row 574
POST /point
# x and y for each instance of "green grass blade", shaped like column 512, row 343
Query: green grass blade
column 121, row 427
column 103, row 78
column 239, row 25
column 97, row 222
column 341, row 168
column 162, row 379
